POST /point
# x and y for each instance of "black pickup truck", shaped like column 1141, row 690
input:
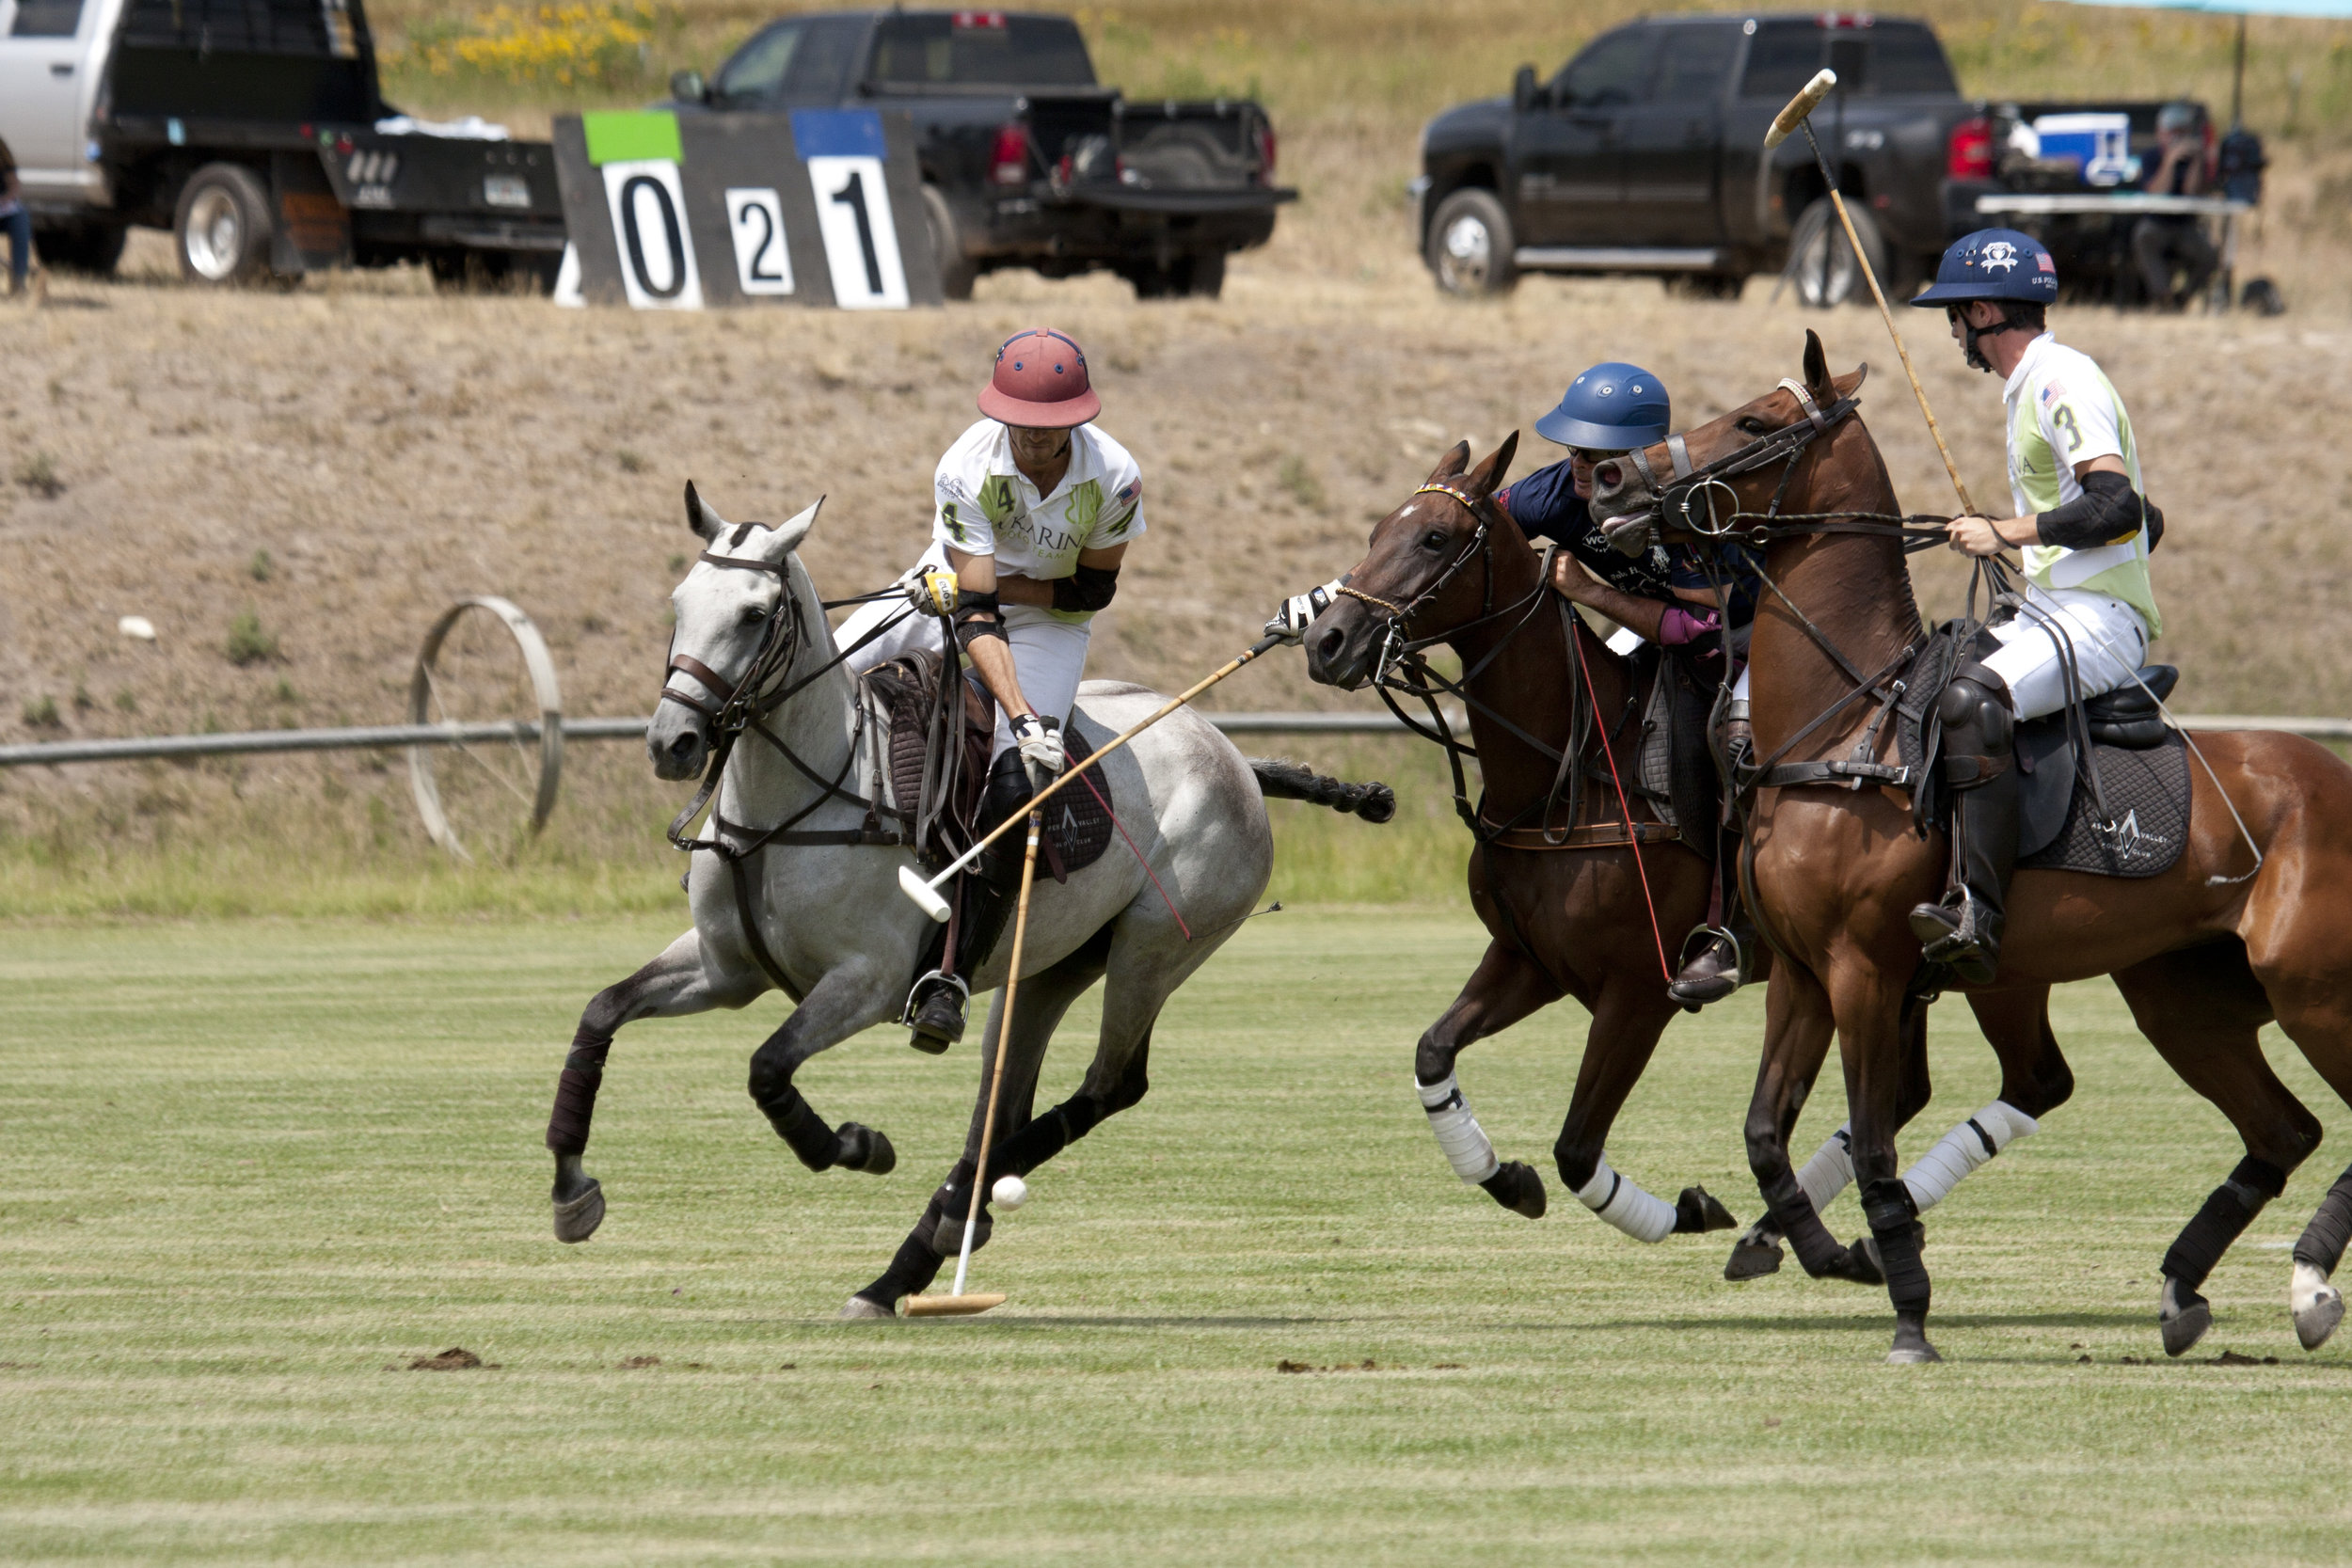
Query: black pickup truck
column 1644, row 156
column 1026, row 161
column 255, row 129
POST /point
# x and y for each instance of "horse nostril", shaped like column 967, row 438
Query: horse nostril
column 1607, row 475
column 683, row 747
column 1327, row 646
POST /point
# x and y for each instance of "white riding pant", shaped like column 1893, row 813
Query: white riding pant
column 2109, row 638
column 1049, row 655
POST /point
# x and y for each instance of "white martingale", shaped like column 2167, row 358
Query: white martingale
column 1625, row 1205
column 1458, row 1133
column 1831, row 1169
column 1963, row 1148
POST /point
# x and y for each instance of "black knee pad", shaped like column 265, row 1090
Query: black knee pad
column 1975, row 711
column 1008, row 793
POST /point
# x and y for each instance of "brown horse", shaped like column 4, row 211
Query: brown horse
column 2204, row 954
column 1573, row 917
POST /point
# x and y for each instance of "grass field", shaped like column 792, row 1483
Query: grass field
column 255, row 1169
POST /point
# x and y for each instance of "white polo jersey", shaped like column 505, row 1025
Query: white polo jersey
column 987, row 506
column 2063, row 411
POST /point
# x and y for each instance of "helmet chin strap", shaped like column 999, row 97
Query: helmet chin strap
column 1976, row 355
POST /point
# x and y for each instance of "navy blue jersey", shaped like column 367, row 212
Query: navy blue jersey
column 1546, row 506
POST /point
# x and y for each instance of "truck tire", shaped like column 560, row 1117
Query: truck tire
column 1821, row 262
column 957, row 270
column 93, row 248
column 222, row 226
column 1470, row 245
column 1205, row 274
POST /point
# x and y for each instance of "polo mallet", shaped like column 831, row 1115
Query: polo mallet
column 926, row 894
column 956, row 1303
column 1799, row 114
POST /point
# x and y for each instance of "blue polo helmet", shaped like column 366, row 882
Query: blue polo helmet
column 1612, row 407
column 1992, row 264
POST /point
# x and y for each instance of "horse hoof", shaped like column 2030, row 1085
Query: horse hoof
column 2182, row 1333
column 1378, row 805
column 1753, row 1255
column 2318, row 1306
column 1910, row 1342
column 864, row 1149
column 1860, row 1264
column 1697, row 1210
column 947, row 1235
column 577, row 1217
column 1518, row 1188
column 858, row 1307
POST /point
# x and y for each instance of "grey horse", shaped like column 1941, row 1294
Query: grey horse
column 833, row 928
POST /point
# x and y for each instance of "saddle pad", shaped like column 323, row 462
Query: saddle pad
column 1077, row 820
column 1653, row 767
column 2149, row 791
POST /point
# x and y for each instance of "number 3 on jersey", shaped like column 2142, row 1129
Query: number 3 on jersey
column 859, row 233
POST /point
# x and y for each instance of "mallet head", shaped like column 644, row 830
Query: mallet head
column 1809, row 99
column 926, row 897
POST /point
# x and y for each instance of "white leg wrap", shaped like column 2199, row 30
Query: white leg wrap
column 1639, row 1214
column 1458, row 1133
column 1831, row 1169
column 1963, row 1148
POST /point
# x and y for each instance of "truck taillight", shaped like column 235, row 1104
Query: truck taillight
column 1266, row 151
column 1969, row 154
column 1008, row 164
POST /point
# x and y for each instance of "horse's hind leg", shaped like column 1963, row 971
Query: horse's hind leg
column 673, row 985
column 2203, row 1009
column 1505, row 988
column 1022, row 1143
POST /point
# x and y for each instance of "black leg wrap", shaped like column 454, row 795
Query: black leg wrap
column 798, row 1125
column 1049, row 1134
column 1819, row 1253
column 1887, row 1204
column 2323, row 1241
column 2227, row 1211
column 575, row 1093
column 912, row 1267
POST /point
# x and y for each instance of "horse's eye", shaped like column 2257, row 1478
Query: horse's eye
column 1433, row 541
column 1754, row 426
column 752, row 616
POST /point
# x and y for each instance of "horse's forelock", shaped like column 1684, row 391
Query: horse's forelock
column 743, row 531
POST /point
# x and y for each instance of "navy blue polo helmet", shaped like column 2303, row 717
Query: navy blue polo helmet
column 1992, row 264
column 1612, row 407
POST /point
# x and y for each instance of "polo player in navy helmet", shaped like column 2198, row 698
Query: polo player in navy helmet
column 1662, row 596
column 2085, row 527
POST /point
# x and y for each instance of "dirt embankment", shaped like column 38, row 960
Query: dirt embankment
column 389, row 451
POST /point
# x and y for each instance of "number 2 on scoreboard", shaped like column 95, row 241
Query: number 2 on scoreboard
column 763, row 265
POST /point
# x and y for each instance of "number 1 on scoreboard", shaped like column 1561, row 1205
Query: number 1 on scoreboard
column 861, row 237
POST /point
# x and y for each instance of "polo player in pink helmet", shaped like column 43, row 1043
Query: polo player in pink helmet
column 1034, row 508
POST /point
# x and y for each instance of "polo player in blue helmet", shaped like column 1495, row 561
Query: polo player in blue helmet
column 1662, row 596
column 2085, row 527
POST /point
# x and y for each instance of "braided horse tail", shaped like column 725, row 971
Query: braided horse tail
column 1289, row 781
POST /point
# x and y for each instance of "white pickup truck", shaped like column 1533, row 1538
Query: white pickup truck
column 255, row 131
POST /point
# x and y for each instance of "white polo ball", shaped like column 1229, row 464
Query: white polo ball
column 1011, row 1193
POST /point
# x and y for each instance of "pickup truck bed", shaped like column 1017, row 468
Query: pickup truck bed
column 1026, row 160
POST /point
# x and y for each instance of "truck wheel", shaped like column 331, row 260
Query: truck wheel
column 85, row 248
column 222, row 227
column 1821, row 262
column 957, row 270
column 1471, row 244
column 1203, row 276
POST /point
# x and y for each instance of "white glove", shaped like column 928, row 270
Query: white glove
column 1300, row 610
column 1040, row 740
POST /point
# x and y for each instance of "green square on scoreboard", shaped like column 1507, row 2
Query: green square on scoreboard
column 629, row 138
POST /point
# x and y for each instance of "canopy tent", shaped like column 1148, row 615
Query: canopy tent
column 2309, row 10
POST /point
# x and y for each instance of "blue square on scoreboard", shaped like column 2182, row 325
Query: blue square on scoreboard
column 837, row 132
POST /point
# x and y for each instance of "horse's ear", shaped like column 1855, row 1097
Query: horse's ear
column 1849, row 384
column 786, row 537
column 1454, row 461
column 1488, row 477
column 702, row 516
column 1816, row 378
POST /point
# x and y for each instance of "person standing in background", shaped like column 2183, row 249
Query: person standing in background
column 18, row 222
column 2162, row 240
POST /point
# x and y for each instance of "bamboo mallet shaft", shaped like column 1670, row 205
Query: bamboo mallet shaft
column 1003, row 1035
column 1799, row 115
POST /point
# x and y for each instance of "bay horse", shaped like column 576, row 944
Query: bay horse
column 795, row 890
column 2204, row 954
column 1581, row 911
